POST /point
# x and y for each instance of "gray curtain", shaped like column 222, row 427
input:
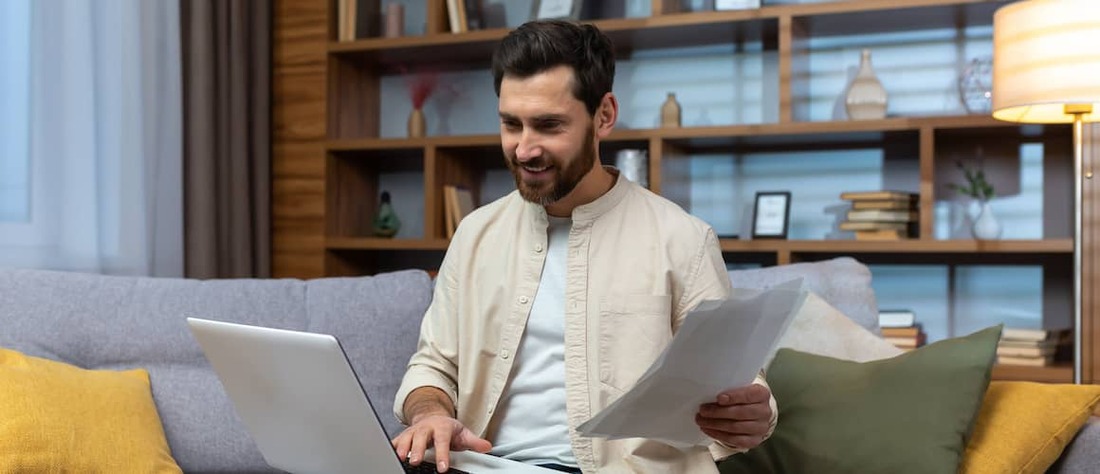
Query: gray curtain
column 226, row 52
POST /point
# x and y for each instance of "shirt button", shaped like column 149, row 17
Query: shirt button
column 522, row 300
column 504, row 354
column 538, row 248
column 489, row 408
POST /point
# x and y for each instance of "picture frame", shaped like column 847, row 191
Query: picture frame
column 556, row 9
column 771, row 216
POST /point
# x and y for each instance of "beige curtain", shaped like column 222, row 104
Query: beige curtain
column 226, row 52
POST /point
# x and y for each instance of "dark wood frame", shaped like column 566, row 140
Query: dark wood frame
column 756, row 234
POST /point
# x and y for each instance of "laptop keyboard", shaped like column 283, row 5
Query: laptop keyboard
column 426, row 467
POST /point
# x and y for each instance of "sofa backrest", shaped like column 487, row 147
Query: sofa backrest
column 842, row 282
column 104, row 322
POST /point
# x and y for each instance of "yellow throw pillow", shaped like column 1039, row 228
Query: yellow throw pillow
column 1023, row 427
column 55, row 417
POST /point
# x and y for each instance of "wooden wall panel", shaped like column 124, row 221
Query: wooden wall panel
column 298, row 109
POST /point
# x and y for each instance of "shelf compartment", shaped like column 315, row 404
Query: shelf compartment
column 474, row 50
column 1033, row 163
column 887, row 16
column 354, row 181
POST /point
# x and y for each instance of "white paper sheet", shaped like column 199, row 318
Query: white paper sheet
column 721, row 345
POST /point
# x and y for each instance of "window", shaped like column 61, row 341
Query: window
column 15, row 23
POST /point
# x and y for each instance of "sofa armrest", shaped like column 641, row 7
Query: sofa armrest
column 1080, row 457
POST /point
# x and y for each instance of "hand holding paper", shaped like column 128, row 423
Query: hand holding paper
column 721, row 345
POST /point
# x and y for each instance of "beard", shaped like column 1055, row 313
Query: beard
column 566, row 174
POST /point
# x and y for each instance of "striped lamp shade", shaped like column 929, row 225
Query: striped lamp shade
column 1046, row 56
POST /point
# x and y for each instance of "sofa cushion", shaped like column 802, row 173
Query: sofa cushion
column 907, row 414
column 842, row 282
column 1024, row 426
column 106, row 322
column 819, row 328
column 1081, row 454
column 55, row 417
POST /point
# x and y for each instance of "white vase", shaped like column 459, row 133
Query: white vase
column 986, row 226
column 866, row 98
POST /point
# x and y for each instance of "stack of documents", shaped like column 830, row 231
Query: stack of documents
column 721, row 345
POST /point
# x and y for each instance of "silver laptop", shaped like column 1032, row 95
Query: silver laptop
column 302, row 402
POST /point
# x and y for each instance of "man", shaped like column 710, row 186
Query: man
column 552, row 301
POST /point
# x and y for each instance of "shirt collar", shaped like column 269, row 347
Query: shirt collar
column 585, row 214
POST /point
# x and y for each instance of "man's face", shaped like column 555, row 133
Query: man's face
column 547, row 134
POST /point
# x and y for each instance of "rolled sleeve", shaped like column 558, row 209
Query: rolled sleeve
column 422, row 376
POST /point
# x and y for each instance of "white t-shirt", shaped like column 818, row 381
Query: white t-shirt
column 533, row 426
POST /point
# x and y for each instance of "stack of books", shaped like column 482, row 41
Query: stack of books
column 900, row 328
column 1032, row 347
column 881, row 215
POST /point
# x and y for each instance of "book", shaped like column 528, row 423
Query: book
column 1023, row 334
column 862, row 225
column 344, row 20
column 1028, row 344
column 881, row 234
column 465, row 201
column 879, row 215
column 895, row 318
column 908, row 331
column 907, row 342
column 455, row 16
column 458, row 202
column 889, row 205
column 1025, row 351
column 877, row 196
column 1028, row 361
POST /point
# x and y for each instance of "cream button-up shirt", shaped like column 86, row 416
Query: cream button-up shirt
column 636, row 264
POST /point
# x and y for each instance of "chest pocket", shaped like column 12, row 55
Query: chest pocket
column 633, row 330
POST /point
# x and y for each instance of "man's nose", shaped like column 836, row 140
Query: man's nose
column 528, row 148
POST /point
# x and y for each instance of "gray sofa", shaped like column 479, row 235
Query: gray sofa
column 120, row 322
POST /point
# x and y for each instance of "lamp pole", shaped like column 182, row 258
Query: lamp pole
column 1078, row 111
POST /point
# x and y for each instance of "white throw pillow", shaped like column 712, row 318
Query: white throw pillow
column 819, row 328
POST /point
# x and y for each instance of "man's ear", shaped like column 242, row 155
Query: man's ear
column 606, row 115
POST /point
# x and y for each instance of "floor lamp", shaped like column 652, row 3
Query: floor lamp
column 1046, row 69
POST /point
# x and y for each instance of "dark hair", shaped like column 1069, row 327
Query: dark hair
column 540, row 45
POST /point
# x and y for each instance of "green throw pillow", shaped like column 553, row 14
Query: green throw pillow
column 909, row 414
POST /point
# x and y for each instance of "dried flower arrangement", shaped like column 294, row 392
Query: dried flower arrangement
column 421, row 86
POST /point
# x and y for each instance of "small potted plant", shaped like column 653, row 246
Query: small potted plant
column 980, row 189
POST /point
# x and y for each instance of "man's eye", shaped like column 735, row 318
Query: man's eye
column 549, row 125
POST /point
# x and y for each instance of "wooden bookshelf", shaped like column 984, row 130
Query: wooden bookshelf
column 329, row 188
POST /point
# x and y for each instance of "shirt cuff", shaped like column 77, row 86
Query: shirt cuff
column 420, row 376
column 720, row 450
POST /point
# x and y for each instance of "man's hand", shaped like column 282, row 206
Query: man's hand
column 432, row 424
column 739, row 418
column 446, row 434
